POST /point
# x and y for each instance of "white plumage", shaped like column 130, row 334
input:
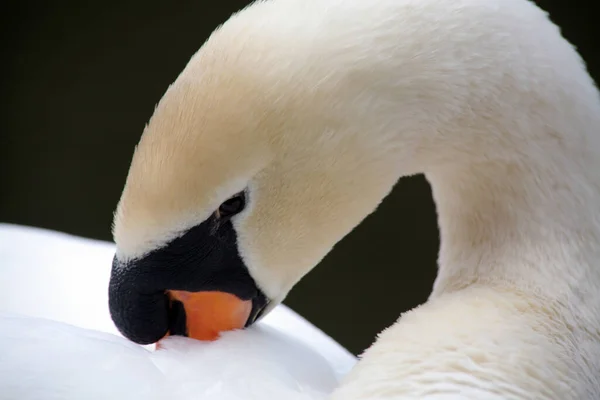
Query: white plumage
column 317, row 107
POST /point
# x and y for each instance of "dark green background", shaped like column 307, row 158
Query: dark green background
column 80, row 80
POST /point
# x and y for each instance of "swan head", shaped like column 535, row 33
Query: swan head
column 246, row 176
column 291, row 124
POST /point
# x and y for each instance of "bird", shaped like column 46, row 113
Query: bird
column 296, row 118
column 58, row 342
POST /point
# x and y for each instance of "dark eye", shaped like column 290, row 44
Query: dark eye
column 232, row 206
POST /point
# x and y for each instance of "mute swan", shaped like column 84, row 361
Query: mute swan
column 297, row 117
column 58, row 342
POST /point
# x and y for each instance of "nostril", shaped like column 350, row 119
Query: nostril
column 177, row 319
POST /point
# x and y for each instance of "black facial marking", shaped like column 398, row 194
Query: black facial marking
column 259, row 305
column 205, row 258
column 177, row 319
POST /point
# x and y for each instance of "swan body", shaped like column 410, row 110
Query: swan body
column 55, row 276
column 58, row 341
column 44, row 359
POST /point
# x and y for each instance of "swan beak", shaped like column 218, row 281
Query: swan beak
column 204, row 315
column 197, row 285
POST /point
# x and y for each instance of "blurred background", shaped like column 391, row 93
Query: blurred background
column 80, row 80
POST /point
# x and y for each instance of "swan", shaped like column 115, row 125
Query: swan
column 58, row 340
column 297, row 117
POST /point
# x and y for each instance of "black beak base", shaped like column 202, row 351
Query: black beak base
column 205, row 258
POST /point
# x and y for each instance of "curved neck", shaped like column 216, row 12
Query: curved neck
column 532, row 224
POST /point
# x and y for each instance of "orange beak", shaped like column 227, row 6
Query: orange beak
column 207, row 314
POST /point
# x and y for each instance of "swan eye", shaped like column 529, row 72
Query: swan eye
column 232, row 206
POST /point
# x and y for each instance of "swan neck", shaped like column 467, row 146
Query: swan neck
column 529, row 225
